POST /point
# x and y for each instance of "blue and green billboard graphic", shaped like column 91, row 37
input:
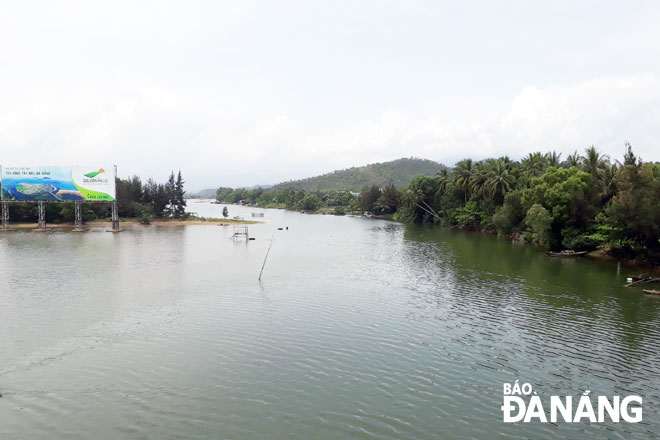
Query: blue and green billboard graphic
column 76, row 183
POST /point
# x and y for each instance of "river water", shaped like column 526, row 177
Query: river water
column 359, row 329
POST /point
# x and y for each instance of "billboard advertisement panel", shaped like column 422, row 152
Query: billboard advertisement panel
column 64, row 184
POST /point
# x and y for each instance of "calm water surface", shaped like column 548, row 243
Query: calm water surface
column 360, row 329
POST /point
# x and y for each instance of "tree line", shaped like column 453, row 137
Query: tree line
column 151, row 199
column 584, row 202
column 290, row 198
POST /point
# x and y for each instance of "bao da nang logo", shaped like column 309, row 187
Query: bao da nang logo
column 523, row 404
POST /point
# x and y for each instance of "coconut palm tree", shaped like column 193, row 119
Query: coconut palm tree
column 443, row 178
column 507, row 161
column 593, row 161
column 411, row 198
column 532, row 165
column 572, row 160
column 499, row 178
column 479, row 177
column 553, row 158
column 463, row 172
column 607, row 178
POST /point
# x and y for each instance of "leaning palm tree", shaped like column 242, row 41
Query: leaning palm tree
column 411, row 198
column 463, row 172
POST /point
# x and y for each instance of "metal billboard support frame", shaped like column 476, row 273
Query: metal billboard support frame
column 115, row 217
column 5, row 208
column 77, row 223
column 42, row 214
column 115, row 210
column 5, row 215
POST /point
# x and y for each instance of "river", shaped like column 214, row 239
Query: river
column 359, row 329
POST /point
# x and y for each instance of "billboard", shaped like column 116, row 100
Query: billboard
column 64, row 184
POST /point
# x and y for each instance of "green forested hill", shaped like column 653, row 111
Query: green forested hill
column 399, row 172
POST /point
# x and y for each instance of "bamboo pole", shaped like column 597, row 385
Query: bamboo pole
column 272, row 239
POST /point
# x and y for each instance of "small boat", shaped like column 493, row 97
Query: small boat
column 567, row 254
column 652, row 292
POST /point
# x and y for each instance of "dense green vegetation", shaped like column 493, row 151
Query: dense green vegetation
column 135, row 200
column 151, row 199
column 397, row 172
column 290, row 199
column 583, row 203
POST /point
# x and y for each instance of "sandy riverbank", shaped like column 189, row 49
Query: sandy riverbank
column 133, row 222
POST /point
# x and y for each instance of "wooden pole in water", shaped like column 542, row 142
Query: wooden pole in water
column 272, row 238
column 643, row 281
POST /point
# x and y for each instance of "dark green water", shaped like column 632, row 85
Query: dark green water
column 359, row 329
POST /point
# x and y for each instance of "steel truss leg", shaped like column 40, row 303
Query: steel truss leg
column 78, row 219
column 115, row 216
column 5, row 215
column 42, row 215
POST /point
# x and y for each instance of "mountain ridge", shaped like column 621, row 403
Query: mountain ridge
column 399, row 172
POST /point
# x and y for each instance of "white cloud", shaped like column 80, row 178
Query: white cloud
column 244, row 93
column 151, row 131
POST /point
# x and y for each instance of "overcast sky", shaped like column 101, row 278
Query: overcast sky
column 252, row 92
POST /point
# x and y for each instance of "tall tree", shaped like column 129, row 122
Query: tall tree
column 499, row 179
column 155, row 195
column 463, row 172
column 634, row 212
column 171, row 195
column 479, row 177
column 629, row 157
column 390, row 199
column 592, row 161
column 572, row 160
column 368, row 197
column 553, row 158
column 533, row 165
column 179, row 197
